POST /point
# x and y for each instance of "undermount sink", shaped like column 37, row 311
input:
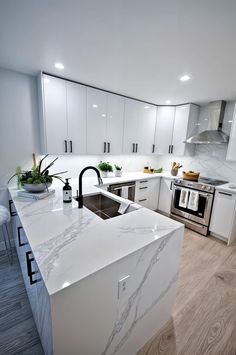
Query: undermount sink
column 103, row 206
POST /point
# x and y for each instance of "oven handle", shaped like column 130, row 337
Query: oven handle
column 200, row 192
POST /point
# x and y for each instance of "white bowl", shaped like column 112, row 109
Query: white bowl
column 36, row 187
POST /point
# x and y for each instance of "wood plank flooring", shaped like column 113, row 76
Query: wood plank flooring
column 18, row 333
column 204, row 317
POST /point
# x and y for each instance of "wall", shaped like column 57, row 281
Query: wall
column 18, row 124
column 208, row 159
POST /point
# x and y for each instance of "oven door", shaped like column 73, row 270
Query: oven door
column 202, row 215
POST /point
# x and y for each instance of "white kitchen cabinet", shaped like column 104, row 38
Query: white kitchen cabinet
column 139, row 127
column 147, row 192
column 165, row 196
column 164, row 129
column 64, row 116
column 173, row 126
column 115, row 123
column 105, row 115
column 76, row 118
column 223, row 218
column 231, row 151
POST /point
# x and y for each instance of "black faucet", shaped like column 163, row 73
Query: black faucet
column 100, row 182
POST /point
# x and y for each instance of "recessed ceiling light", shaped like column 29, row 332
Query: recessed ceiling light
column 94, row 106
column 103, row 115
column 185, row 77
column 230, row 121
column 59, row 66
column 168, row 102
column 146, row 107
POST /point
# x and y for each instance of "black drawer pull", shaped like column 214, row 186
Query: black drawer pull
column 104, row 147
column 144, row 199
column 65, row 142
column 31, row 273
column 225, row 193
column 142, row 188
column 11, row 212
column 153, row 148
column 71, row 147
column 133, row 151
column 108, row 144
column 141, row 182
column 19, row 240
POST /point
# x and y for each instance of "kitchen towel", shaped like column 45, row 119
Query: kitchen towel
column 123, row 207
column 183, row 200
column 125, row 192
column 193, row 200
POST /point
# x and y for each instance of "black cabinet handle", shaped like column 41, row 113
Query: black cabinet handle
column 104, row 147
column 65, row 142
column 31, row 273
column 108, row 147
column 18, row 234
column 144, row 199
column 169, row 149
column 153, row 148
column 142, row 188
column 171, row 185
column 143, row 181
column 136, row 150
column 133, row 151
column 225, row 193
column 10, row 209
column 172, row 148
column 71, row 147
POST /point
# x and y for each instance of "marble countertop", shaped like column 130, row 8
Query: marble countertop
column 70, row 244
column 229, row 187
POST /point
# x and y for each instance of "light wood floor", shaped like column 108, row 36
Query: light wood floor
column 18, row 333
column 204, row 317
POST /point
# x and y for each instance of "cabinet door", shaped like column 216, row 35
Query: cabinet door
column 153, row 193
column 164, row 129
column 76, row 118
column 96, row 121
column 55, row 114
column 115, row 123
column 132, row 135
column 222, row 214
column 231, row 155
column 148, row 115
column 165, row 196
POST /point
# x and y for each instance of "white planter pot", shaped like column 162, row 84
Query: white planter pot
column 118, row 173
column 104, row 174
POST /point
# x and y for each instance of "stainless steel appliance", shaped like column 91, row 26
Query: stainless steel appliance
column 118, row 189
column 198, row 219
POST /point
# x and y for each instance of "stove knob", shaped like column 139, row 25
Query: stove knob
column 209, row 188
column 203, row 187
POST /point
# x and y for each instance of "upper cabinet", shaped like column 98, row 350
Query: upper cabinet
column 164, row 129
column 139, row 127
column 173, row 126
column 231, row 155
column 64, row 116
column 105, row 116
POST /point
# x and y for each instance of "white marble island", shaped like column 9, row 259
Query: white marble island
column 80, row 259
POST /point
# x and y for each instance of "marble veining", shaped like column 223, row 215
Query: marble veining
column 48, row 252
column 133, row 302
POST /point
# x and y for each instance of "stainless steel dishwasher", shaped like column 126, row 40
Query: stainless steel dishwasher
column 125, row 190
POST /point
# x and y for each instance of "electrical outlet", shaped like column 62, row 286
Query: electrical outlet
column 123, row 285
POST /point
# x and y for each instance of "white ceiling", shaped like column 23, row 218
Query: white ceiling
column 133, row 47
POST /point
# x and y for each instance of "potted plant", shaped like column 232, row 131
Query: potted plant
column 118, row 170
column 105, row 168
column 37, row 179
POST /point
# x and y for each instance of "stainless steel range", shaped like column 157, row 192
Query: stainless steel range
column 192, row 202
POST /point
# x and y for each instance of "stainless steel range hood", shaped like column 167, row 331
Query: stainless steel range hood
column 212, row 123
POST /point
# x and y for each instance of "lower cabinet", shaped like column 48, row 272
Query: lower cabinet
column 165, row 196
column 147, row 193
column 223, row 218
column 35, row 287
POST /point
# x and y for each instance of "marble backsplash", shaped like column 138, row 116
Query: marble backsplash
column 210, row 160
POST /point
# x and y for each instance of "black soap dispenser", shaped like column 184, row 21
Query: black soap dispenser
column 67, row 192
